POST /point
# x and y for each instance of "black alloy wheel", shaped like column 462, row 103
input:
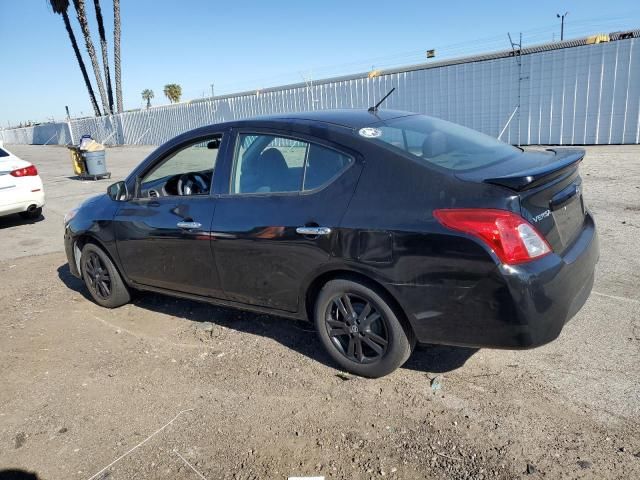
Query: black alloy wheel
column 102, row 278
column 359, row 326
column 98, row 279
column 356, row 328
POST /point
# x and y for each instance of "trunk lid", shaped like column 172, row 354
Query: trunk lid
column 549, row 186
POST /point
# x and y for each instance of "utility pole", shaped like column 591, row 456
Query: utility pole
column 212, row 94
column 308, row 80
column 517, row 53
column 561, row 17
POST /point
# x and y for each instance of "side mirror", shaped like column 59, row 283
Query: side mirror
column 118, row 192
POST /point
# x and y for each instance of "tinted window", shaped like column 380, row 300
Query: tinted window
column 3, row 153
column 265, row 164
column 444, row 143
column 271, row 164
column 322, row 165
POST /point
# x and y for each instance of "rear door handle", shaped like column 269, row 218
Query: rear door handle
column 189, row 225
column 313, row 231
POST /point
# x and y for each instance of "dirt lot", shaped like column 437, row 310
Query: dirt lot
column 166, row 388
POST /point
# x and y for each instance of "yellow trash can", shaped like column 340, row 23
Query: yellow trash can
column 77, row 161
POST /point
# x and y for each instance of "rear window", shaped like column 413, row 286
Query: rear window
column 442, row 143
column 3, row 153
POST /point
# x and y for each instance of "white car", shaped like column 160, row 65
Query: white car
column 21, row 189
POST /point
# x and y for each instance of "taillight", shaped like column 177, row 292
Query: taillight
column 511, row 237
column 30, row 171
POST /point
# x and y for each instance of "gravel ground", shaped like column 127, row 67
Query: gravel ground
column 166, row 388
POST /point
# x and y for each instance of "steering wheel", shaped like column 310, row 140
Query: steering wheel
column 192, row 184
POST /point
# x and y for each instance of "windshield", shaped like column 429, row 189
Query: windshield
column 442, row 143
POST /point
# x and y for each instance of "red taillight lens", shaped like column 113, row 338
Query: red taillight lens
column 30, row 171
column 511, row 237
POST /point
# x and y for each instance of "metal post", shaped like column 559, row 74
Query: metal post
column 309, row 82
column 50, row 138
column 508, row 122
column 518, row 56
column 70, row 132
column 561, row 17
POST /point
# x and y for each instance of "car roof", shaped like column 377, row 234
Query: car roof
column 350, row 118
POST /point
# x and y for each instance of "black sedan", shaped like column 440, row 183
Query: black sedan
column 384, row 228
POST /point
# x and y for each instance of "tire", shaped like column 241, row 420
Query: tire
column 380, row 343
column 102, row 278
column 32, row 214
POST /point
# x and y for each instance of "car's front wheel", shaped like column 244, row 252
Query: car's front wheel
column 360, row 330
column 102, row 278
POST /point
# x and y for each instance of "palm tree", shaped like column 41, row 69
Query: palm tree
column 116, row 53
column 147, row 95
column 173, row 92
column 84, row 26
column 61, row 7
column 105, row 56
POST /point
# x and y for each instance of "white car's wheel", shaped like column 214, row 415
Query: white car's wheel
column 32, row 214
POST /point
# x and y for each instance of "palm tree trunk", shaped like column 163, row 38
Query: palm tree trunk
column 83, row 68
column 116, row 52
column 84, row 26
column 105, row 56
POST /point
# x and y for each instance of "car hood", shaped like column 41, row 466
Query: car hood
column 92, row 200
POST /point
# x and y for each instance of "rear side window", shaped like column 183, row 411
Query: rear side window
column 3, row 153
column 442, row 143
column 322, row 165
column 274, row 164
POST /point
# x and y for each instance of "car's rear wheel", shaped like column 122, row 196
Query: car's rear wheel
column 32, row 214
column 102, row 278
column 360, row 330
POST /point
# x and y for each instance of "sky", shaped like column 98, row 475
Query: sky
column 247, row 45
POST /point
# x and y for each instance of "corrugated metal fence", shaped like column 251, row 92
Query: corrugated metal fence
column 569, row 94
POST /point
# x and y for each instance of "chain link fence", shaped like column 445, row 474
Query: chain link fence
column 564, row 93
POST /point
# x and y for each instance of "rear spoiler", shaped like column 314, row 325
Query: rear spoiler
column 565, row 160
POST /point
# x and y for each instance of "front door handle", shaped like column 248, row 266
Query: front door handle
column 189, row 225
column 313, row 231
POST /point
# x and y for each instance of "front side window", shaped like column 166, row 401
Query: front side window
column 444, row 143
column 189, row 171
column 274, row 164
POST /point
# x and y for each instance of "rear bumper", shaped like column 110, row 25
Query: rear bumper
column 517, row 307
column 21, row 202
